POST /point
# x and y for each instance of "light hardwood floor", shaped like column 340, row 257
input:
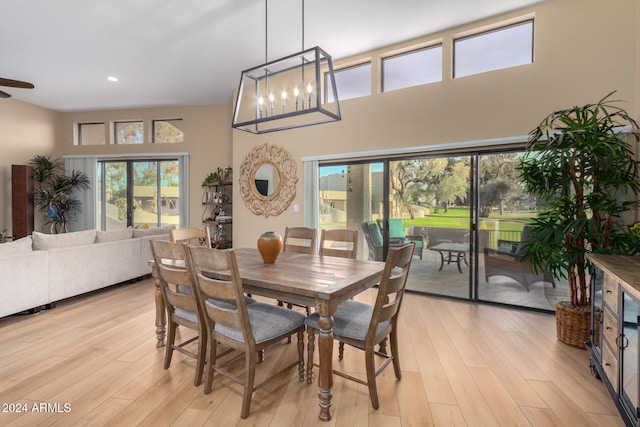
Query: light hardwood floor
column 462, row 364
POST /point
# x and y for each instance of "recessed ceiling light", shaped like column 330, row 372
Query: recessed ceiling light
column 112, row 79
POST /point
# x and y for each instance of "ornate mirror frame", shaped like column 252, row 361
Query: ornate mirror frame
column 276, row 203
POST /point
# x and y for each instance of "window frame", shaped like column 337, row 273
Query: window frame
column 79, row 133
column 411, row 51
column 346, row 69
column 455, row 40
column 153, row 129
column 115, row 130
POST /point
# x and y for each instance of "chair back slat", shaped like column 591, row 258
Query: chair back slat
column 191, row 235
column 175, row 276
column 216, row 289
column 300, row 240
column 339, row 243
column 167, row 252
column 184, row 301
column 229, row 317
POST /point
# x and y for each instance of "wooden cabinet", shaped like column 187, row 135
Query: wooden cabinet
column 217, row 205
column 614, row 346
column 22, row 210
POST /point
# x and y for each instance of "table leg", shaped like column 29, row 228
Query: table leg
column 161, row 312
column 460, row 254
column 441, row 260
column 325, row 353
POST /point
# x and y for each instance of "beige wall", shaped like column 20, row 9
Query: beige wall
column 583, row 50
column 25, row 131
column 207, row 131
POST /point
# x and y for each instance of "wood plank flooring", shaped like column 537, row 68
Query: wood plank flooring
column 93, row 361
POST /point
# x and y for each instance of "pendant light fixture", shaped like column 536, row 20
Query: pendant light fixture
column 286, row 93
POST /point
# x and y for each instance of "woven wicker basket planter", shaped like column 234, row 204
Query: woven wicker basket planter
column 573, row 324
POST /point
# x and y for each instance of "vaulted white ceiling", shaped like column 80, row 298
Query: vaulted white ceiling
column 191, row 52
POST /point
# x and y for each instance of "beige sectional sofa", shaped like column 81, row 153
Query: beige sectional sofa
column 42, row 268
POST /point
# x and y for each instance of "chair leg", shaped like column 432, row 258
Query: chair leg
column 212, row 350
column 301, row 354
column 393, row 338
column 371, row 377
column 340, row 350
column 202, row 350
column 171, row 339
column 382, row 347
column 250, row 376
column 310, row 350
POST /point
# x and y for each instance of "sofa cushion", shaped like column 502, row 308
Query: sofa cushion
column 396, row 229
column 42, row 241
column 137, row 232
column 376, row 234
column 17, row 246
column 114, row 235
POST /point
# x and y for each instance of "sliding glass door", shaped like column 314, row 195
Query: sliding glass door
column 429, row 204
column 467, row 214
column 505, row 210
column 138, row 193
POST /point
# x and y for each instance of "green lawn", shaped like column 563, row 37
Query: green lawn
column 459, row 218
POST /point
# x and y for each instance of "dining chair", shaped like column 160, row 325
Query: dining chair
column 181, row 302
column 248, row 329
column 364, row 326
column 299, row 240
column 191, row 235
column 339, row 243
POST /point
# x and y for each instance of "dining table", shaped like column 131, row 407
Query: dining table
column 321, row 282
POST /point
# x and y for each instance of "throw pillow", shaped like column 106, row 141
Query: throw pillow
column 114, row 235
column 396, row 229
column 17, row 246
column 376, row 234
column 42, row 241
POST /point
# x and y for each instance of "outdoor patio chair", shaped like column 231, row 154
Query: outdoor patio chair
column 508, row 261
column 398, row 237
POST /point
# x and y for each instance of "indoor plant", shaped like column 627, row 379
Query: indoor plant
column 54, row 191
column 582, row 170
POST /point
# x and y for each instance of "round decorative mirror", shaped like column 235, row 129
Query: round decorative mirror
column 268, row 180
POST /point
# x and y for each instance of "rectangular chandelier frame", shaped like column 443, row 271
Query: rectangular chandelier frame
column 286, row 94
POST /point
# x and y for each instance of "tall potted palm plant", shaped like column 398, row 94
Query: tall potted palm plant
column 582, row 169
column 54, row 193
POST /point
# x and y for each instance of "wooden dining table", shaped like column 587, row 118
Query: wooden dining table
column 309, row 280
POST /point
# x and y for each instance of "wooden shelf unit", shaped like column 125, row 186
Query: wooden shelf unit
column 217, row 202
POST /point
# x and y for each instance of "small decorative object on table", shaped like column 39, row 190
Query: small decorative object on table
column 269, row 246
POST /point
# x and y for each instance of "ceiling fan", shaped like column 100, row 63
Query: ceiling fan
column 13, row 83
